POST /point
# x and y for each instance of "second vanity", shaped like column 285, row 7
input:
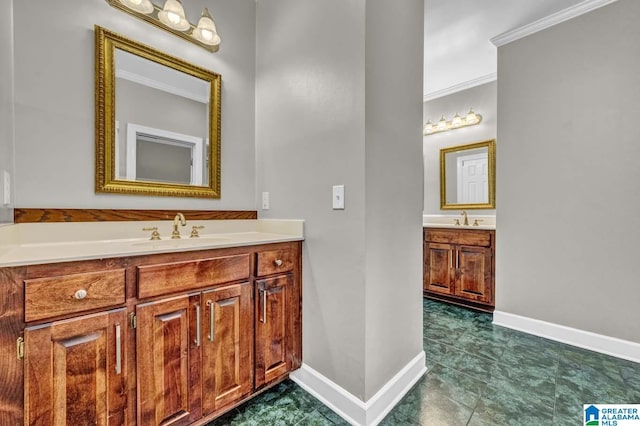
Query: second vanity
column 459, row 261
column 138, row 331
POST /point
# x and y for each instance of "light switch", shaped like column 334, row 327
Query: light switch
column 6, row 188
column 265, row 201
column 338, row 197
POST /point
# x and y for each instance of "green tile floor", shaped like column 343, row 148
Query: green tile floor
column 478, row 374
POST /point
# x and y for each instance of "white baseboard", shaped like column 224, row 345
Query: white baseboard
column 572, row 336
column 353, row 409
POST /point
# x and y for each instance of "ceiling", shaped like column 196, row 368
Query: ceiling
column 457, row 46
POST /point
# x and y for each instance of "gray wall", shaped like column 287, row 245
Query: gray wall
column 312, row 132
column 483, row 100
column 54, row 108
column 568, row 180
column 6, row 102
column 393, row 188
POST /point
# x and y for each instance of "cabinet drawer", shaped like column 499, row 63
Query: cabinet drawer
column 274, row 262
column 69, row 294
column 174, row 277
column 455, row 236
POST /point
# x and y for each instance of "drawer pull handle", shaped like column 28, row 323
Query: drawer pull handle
column 80, row 294
column 211, row 320
column 118, row 350
column 278, row 262
column 264, row 306
column 197, row 341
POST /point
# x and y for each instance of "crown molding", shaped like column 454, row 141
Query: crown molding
column 549, row 21
column 460, row 87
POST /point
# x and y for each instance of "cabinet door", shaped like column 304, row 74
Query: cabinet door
column 227, row 346
column 438, row 274
column 168, row 361
column 74, row 371
column 274, row 328
column 474, row 279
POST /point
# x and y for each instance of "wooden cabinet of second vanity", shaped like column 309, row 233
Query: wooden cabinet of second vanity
column 459, row 266
column 165, row 339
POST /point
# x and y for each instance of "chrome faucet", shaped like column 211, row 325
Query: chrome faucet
column 182, row 221
column 466, row 219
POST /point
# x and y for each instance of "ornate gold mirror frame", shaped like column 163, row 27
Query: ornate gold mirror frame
column 106, row 43
column 447, row 189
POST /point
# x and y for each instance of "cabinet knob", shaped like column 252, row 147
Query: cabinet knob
column 278, row 262
column 80, row 294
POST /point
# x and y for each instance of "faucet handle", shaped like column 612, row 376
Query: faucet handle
column 155, row 235
column 457, row 222
column 194, row 231
column 477, row 222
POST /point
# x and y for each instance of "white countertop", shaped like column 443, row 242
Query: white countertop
column 448, row 221
column 38, row 243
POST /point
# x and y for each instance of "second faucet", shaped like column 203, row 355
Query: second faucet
column 179, row 219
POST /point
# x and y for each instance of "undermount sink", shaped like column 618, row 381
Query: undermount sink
column 182, row 242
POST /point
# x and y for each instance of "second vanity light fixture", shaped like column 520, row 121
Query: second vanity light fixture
column 457, row 122
column 171, row 17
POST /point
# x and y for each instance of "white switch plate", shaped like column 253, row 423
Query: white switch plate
column 265, row 201
column 6, row 188
column 338, row 197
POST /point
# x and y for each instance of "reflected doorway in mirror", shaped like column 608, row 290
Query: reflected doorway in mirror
column 158, row 155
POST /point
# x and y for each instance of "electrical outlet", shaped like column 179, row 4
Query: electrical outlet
column 338, row 197
column 265, row 201
column 6, row 188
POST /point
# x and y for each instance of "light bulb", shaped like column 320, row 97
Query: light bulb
column 456, row 121
column 173, row 17
column 471, row 118
column 428, row 127
column 442, row 124
column 207, row 35
column 140, row 6
column 206, row 31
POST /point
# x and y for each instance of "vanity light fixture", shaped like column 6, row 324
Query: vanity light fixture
column 171, row 17
column 457, row 122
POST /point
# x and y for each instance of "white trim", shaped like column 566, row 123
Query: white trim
column 351, row 408
column 549, row 21
column 460, row 87
column 572, row 336
column 160, row 85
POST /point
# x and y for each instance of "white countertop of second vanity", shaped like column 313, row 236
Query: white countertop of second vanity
column 39, row 243
column 486, row 222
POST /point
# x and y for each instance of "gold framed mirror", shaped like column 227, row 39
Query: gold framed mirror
column 468, row 176
column 157, row 122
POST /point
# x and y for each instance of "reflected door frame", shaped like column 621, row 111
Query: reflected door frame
column 195, row 144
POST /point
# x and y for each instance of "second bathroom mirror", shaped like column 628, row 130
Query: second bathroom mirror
column 467, row 176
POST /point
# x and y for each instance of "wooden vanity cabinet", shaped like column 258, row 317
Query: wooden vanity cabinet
column 164, row 339
column 74, row 365
column 277, row 316
column 168, row 380
column 459, row 266
column 74, row 372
